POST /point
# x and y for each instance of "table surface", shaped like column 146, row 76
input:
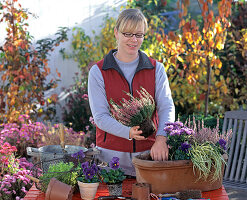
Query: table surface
column 35, row 194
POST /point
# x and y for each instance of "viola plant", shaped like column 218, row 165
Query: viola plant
column 89, row 172
column 136, row 112
column 203, row 146
column 78, row 157
column 113, row 175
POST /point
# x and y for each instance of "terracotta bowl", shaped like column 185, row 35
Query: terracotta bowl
column 171, row 176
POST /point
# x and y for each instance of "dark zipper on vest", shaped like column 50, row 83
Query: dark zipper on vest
column 105, row 136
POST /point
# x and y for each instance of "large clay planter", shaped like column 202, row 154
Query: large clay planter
column 171, row 176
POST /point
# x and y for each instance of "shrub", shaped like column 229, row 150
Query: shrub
column 23, row 67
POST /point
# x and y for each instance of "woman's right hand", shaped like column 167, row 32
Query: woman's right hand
column 135, row 133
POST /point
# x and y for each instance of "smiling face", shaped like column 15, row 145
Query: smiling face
column 130, row 21
column 128, row 46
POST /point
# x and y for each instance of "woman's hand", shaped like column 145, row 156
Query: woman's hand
column 135, row 133
column 159, row 150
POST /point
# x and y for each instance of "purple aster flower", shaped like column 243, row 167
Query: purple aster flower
column 187, row 131
column 114, row 164
column 177, row 123
column 168, row 128
column 175, row 132
column 222, row 143
column 169, row 123
column 185, row 146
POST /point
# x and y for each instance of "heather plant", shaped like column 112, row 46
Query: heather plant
column 213, row 135
column 136, row 111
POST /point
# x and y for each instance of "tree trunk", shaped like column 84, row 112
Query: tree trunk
column 208, row 83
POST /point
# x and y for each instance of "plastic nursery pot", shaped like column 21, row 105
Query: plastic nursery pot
column 172, row 176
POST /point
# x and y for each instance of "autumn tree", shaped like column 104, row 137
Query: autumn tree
column 24, row 68
column 191, row 60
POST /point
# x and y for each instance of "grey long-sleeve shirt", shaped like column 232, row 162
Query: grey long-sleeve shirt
column 100, row 107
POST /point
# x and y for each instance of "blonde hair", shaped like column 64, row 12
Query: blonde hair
column 134, row 16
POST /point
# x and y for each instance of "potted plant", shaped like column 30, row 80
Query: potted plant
column 88, row 180
column 113, row 177
column 136, row 112
column 196, row 160
column 88, row 176
column 64, row 172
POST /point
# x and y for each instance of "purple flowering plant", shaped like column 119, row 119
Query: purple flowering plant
column 179, row 140
column 15, row 185
column 113, row 174
column 35, row 134
column 202, row 145
column 88, row 172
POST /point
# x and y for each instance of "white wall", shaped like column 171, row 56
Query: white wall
column 52, row 14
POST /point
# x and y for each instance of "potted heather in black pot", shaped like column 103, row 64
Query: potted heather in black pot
column 136, row 112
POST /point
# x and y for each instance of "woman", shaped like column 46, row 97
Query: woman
column 127, row 69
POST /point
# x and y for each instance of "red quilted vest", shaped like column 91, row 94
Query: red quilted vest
column 115, row 84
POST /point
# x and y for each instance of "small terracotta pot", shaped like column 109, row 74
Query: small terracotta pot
column 88, row 190
column 172, row 176
column 141, row 191
column 57, row 190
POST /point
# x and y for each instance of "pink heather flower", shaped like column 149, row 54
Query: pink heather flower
column 134, row 111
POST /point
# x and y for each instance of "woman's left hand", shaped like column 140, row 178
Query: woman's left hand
column 135, row 133
column 159, row 150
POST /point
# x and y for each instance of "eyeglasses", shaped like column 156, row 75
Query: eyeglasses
column 138, row 35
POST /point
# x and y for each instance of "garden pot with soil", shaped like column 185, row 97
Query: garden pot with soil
column 171, row 176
